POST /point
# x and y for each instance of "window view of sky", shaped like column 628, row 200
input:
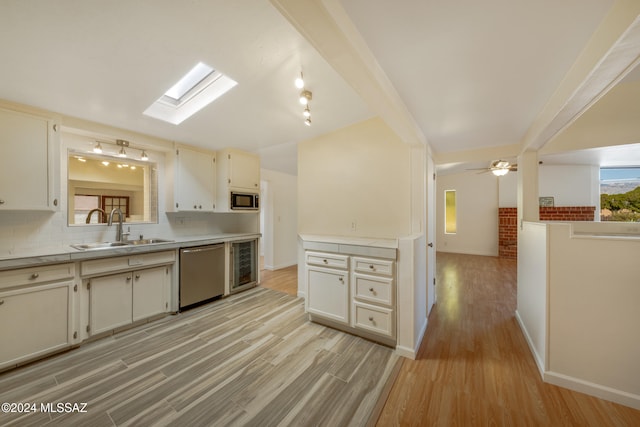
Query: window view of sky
column 619, row 180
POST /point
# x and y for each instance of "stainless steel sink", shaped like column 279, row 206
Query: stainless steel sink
column 147, row 241
column 109, row 245
column 98, row 245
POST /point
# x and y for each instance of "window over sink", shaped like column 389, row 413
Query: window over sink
column 97, row 183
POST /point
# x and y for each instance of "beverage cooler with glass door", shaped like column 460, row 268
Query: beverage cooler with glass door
column 243, row 268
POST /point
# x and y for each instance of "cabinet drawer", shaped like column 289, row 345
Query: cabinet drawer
column 375, row 289
column 328, row 260
column 375, row 319
column 36, row 275
column 370, row 265
column 109, row 265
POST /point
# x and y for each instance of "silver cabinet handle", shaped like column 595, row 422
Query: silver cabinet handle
column 370, row 318
column 34, row 276
column 1, row 301
column 341, row 279
column 1, row 202
column 370, row 289
column 137, row 276
column 128, row 278
column 325, row 261
column 371, row 267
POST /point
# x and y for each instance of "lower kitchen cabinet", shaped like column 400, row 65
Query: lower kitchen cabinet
column 150, row 289
column 122, row 290
column 110, row 302
column 329, row 293
column 120, row 299
column 353, row 293
column 36, row 313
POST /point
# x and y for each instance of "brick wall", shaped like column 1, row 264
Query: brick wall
column 508, row 232
column 508, row 224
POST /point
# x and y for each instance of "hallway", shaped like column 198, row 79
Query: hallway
column 474, row 366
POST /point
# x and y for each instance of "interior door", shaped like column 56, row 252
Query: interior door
column 431, row 234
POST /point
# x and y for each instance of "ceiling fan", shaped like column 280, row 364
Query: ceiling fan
column 499, row 168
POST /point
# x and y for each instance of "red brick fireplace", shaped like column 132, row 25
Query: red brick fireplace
column 508, row 224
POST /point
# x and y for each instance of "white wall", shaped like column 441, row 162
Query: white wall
column 569, row 185
column 593, row 314
column 532, row 288
column 477, row 213
column 355, row 182
column 280, row 217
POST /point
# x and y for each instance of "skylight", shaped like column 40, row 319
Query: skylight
column 197, row 89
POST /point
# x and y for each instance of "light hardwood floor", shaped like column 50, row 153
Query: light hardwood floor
column 474, row 367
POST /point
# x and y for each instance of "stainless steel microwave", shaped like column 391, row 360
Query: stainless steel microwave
column 245, row 201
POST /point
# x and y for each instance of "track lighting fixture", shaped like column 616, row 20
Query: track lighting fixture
column 305, row 97
column 308, row 121
column 299, row 81
column 306, row 112
column 97, row 148
column 144, row 156
column 122, row 153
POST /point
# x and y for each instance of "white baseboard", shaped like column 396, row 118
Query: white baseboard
column 536, row 357
column 279, row 266
column 592, row 389
column 410, row 353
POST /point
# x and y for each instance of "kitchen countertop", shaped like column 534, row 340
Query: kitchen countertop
column 346, row 240
column 32, row 258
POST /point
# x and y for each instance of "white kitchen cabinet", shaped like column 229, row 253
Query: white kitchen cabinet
column 238, row 171
column 373, row 302
column 150, row 290
column 29, row 156
column 36, row 312
column 110, row 304
column 120, row 299
column 328, row 293
column 353, row 293
column 128, row 289
column 191, row 180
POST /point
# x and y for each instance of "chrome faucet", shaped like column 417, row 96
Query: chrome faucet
column 101, row 219
column 119, row 233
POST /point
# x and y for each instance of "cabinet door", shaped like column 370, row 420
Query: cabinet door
column 34, row 321
column 196, row 181
column 150, row 288
column 328, row 293
column 110, row 303
column 244, row 170
column 25, row 145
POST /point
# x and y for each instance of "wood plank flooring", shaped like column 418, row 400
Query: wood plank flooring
column 252, row 359
column 474, row 367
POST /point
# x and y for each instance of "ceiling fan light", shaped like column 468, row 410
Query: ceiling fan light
column 499, row 172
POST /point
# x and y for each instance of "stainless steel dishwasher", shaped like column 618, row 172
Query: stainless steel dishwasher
column 201, row 274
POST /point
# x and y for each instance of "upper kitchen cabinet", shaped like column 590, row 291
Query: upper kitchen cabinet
column 28, row 161
column 191, row 180
column 239, row 172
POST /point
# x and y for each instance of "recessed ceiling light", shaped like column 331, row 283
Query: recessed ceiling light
column 194, row 91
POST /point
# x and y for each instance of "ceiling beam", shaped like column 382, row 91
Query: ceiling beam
column 609, row 55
